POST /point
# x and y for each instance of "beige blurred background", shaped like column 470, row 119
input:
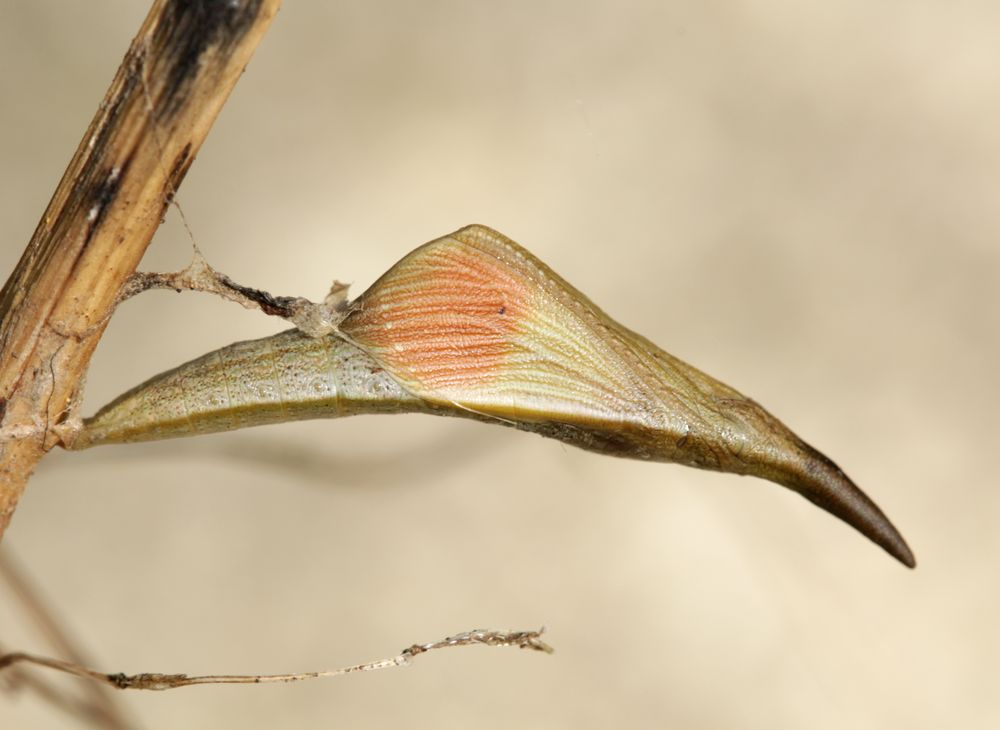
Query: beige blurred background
column 803, row 199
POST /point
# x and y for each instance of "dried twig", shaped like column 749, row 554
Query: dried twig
column 156, row 681
column 99, row 707
column 315, row 319
column 21, row 678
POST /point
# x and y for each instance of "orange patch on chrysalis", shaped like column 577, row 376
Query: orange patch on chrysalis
column 442, row 319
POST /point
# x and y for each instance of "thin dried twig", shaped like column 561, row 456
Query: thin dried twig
column 156, row 681
column 315, row 319
column 18, row 679
column 99, row 707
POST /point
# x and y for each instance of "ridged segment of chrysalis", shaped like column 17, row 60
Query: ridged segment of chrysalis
column 473, row 325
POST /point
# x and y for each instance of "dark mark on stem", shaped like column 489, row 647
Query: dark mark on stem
column 190, row 28
column 180, row 167
column 102, row 194
column 269, row 304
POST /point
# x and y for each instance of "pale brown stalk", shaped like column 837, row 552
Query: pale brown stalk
column 97, row 706
column 159, row 681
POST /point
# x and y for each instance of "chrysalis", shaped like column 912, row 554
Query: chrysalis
column 473, row 325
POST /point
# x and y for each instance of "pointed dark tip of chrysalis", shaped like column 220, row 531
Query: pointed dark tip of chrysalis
column 824, row 484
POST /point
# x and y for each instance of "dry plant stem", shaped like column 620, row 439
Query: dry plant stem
column 100, row 707
column 19, row 679
column 156, row 681
column 314, row 319
column 175, row 78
